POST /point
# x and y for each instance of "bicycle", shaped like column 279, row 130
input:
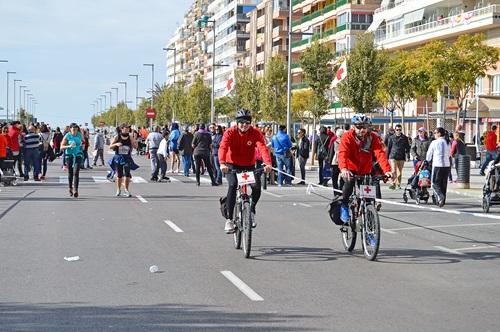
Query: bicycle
column 243, row 216
column 363, row 217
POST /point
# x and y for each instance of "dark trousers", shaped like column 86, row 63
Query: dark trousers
column 232, row 186
column 74, row 170
column 440, row 180
column 206, row 159
column 302, row 165
column 321, row 163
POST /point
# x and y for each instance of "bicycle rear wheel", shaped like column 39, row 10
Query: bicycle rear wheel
column 237, row 223
column 349, row 234
column 246, row 231
column 370, row 233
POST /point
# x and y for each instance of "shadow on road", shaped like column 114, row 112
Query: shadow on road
column 161, row 317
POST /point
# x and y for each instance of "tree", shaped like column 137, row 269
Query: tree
column 274, row 92
column 300, row 103
column 458, row 65
column 198, row 102
column 400, row 81
column 248, row 89
column 224, row 106
column 317, row 73
column 364, row 70
column 176, row 101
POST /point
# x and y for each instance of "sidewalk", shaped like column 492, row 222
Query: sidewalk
column 476, row 180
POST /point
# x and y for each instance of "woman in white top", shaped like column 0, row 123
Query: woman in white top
column 439, row 155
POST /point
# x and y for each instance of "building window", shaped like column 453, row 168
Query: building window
column 495, row 89
column 479, row 89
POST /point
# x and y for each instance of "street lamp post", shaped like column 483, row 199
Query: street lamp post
column 7, row 106
column 105, row 102
column 27, row 102
column 93, row 104
column 109, row 99
column 100, row 108
column 136, row 90
column 116, row 110
column 152, row 65
column 15, row 97
column 175, row 60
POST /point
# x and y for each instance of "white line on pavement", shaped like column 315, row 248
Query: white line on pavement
column 242, row 286
column 138, row 179
column 394, row 230
column 139, row 197
column 267, row 192
column 448, row 250
column 306, row 205
column 173, row 226
column 389, row 231
column 100, row 179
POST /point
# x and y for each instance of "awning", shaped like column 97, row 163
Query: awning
column 415, row 16
column 306, row 8
column 375, row 24
column 489, row 107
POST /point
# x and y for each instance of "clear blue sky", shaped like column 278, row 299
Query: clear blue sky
column 70, row 52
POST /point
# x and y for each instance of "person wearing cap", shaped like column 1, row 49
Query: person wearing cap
column 388, row 135
column 122, row 144
column 72, row 146
column 419, row 146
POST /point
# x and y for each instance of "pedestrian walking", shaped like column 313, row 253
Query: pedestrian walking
column 302, row 153
column 98, row 148
column 202, row 143
column 491, row 143
column 186, row 150
column 439, row 155
column 153, row 142
column 282, row 145
column 398, row 151
column 72, row 146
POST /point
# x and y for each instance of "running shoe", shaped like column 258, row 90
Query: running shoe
column 344, row 213
column 127, row 193
column 230, row 227
column 118, row 192
column 392, row 187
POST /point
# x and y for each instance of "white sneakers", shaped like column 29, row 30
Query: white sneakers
column 229, row 229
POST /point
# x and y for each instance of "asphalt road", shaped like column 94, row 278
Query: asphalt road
column 436, row 271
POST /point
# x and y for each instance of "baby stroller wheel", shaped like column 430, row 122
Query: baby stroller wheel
column 486, row 204
column 405, row 198
column 417, row 200
column 14, row 182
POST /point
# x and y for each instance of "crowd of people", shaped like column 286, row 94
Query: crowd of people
column 202, row 149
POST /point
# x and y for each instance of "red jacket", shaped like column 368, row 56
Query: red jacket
column 358, row 161
column 14, row 134
column 491, row 141
column 239, row 149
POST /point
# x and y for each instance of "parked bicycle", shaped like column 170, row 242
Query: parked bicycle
column 364, row 217
column 243, row 216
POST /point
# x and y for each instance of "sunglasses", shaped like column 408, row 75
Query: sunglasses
column 399, row 129
column 361, row 127
column 245, row 122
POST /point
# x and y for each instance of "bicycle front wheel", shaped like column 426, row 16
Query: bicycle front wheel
column 349, row 233
column 246, row 223
column 237, row 223
column 371, row 233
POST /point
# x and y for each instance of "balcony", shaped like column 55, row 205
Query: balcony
column 279, row 32
column 479, row 20
column 322, row 35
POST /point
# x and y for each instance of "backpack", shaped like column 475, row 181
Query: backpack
column 322, row 151
column 334, row 210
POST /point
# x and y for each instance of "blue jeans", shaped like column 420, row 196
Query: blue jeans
column 30, row 162
column 218, row 177
column 282, row 161
column 490, row 155
column 187, row 161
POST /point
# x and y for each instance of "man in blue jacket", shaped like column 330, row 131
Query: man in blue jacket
column 282, row 145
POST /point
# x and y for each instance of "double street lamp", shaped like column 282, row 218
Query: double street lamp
column 136, row 90
column 152, row 65
column 7, row 106
column 175, row 61
column 116, row 110
column 15, row 81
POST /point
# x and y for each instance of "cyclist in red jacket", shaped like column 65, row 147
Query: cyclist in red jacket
column 355, row 157
column 237, row 152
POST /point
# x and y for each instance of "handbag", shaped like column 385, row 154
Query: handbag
column 287, row 153
column 327, row 171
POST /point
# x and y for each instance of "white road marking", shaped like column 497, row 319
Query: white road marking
column 394, row 230
column 203, row 180
column 457, row 251
column 448, row 250
column 138, row 179
column 306, row 205
column 173, row 226
column 139, row 197
column 100, row 179
column 267, row 192
column 389, row 231
column 250, row 293
column 63, row 179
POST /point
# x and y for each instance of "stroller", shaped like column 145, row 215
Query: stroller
column 419, row 184
column 491, row 188
column 8, row 172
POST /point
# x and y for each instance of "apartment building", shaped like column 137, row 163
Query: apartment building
column 268, row 30
column 400, row 25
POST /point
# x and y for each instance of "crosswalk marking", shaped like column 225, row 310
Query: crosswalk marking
column 135, row 179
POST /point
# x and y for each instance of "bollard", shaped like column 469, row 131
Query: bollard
column 464, row 171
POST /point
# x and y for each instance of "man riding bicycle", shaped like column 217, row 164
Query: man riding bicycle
column 355, row 157
column 237, row 152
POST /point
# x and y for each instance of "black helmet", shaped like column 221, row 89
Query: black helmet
column 243, row 114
